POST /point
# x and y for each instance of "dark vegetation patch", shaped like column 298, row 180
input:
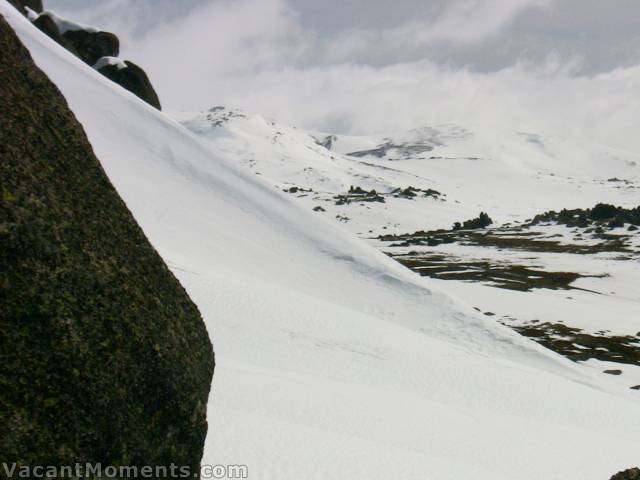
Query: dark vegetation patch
column 602, row 215
column 495, row 273
column 481, row 221
column 587, row 223
column 474, row 232
column 104, row 358
column 578, row 345
column 295, row 189
column 620, row 180
column 508, row 239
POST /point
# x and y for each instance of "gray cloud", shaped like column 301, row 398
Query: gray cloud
column 485, row 35
column 378, row 65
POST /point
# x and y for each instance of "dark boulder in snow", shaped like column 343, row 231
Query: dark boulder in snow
column 35, row 5
column 104, row 356
column 134, row 79
column 481, row 221
column 91, row 46
column 46, row 25
column 631, row 474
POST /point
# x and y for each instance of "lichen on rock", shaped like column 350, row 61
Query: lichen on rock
column 104, row 356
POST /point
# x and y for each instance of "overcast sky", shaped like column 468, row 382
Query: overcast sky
column 372, row 65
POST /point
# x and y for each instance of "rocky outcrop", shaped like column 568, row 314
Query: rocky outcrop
column 104, row 356
column 90, row 46
column 134, row 79
column 631, row 474
column 35, row 5
column 46, row 25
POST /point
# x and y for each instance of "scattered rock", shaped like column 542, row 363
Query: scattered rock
column 295, row 189
column 412, row 192
column 402, row 150
column 327, row 142
column 318, row 209
column 613, row 372
column 602, row 215
column 357, row 194
column 482, row 221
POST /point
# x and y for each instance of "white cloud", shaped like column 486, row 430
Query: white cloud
column 501, row 63
column 361, row 99
column 464, row 21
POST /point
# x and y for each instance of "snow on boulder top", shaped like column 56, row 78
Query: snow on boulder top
column 105, row 61
column 31, row 14
column 63, row 24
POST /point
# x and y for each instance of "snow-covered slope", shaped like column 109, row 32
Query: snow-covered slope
column 510, row 174
column 333, row 361
column 430, row 177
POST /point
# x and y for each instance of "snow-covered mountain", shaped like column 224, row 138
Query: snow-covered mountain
column 333, row 360
column 510, row 174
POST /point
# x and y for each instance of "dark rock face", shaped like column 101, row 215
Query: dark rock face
column 46, row 25
column 481, row 221
column 104, row 356
column 631, row 474
column 134, row 79
column 35, row 5
column 602, row 215
column 91, row 46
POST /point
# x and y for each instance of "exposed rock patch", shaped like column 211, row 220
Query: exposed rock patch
column 602, row 215
column 358, row 194
column 92, row 46
column 35, row 5
column 134, row 79
column 481, row 221
column 412, row 192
